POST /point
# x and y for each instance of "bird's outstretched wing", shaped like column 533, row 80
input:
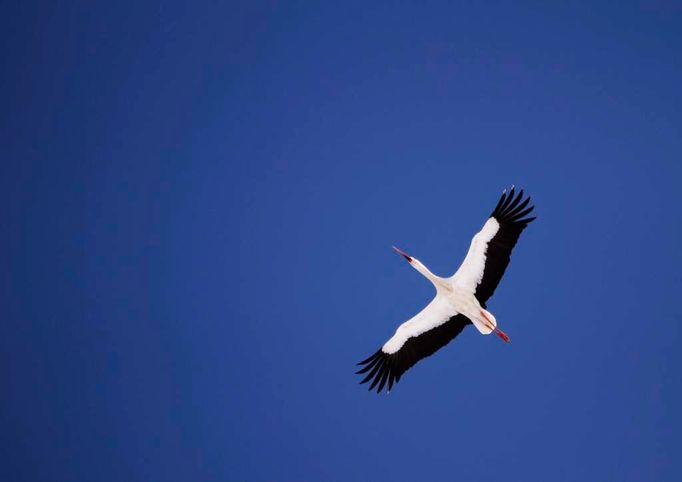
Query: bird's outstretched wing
column 421, row 336
column 491, row 247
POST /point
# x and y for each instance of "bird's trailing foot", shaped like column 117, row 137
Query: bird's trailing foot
column 503, row 336
column 490, row 321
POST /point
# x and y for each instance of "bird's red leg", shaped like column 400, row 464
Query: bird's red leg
column 503, row 336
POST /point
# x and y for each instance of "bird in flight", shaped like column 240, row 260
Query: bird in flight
column 460, row 299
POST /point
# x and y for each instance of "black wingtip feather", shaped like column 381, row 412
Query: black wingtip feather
column 519, row 208
column 508, row 201
column 384, row 381
column 372, row 357
column 518, row 217
column 368, row 366
column 513, row 204
column 499, row 203
column 378, row 377
column 509, row 210
column 373, row 372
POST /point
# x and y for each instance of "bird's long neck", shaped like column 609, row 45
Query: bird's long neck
column 436, row 280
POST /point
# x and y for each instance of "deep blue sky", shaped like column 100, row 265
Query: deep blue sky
column 199, row 205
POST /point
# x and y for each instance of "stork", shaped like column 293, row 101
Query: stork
column 460, row 299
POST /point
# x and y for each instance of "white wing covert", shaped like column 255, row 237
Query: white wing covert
column 434, row 314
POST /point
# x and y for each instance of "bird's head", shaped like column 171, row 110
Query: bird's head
column 414, row 262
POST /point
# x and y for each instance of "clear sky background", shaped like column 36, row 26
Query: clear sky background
column 199, row 204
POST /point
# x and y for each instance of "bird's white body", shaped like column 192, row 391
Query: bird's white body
column 466, row 303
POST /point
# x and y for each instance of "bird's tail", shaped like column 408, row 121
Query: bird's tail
column 485, row 322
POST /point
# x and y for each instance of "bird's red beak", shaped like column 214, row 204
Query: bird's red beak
column 403, row 254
